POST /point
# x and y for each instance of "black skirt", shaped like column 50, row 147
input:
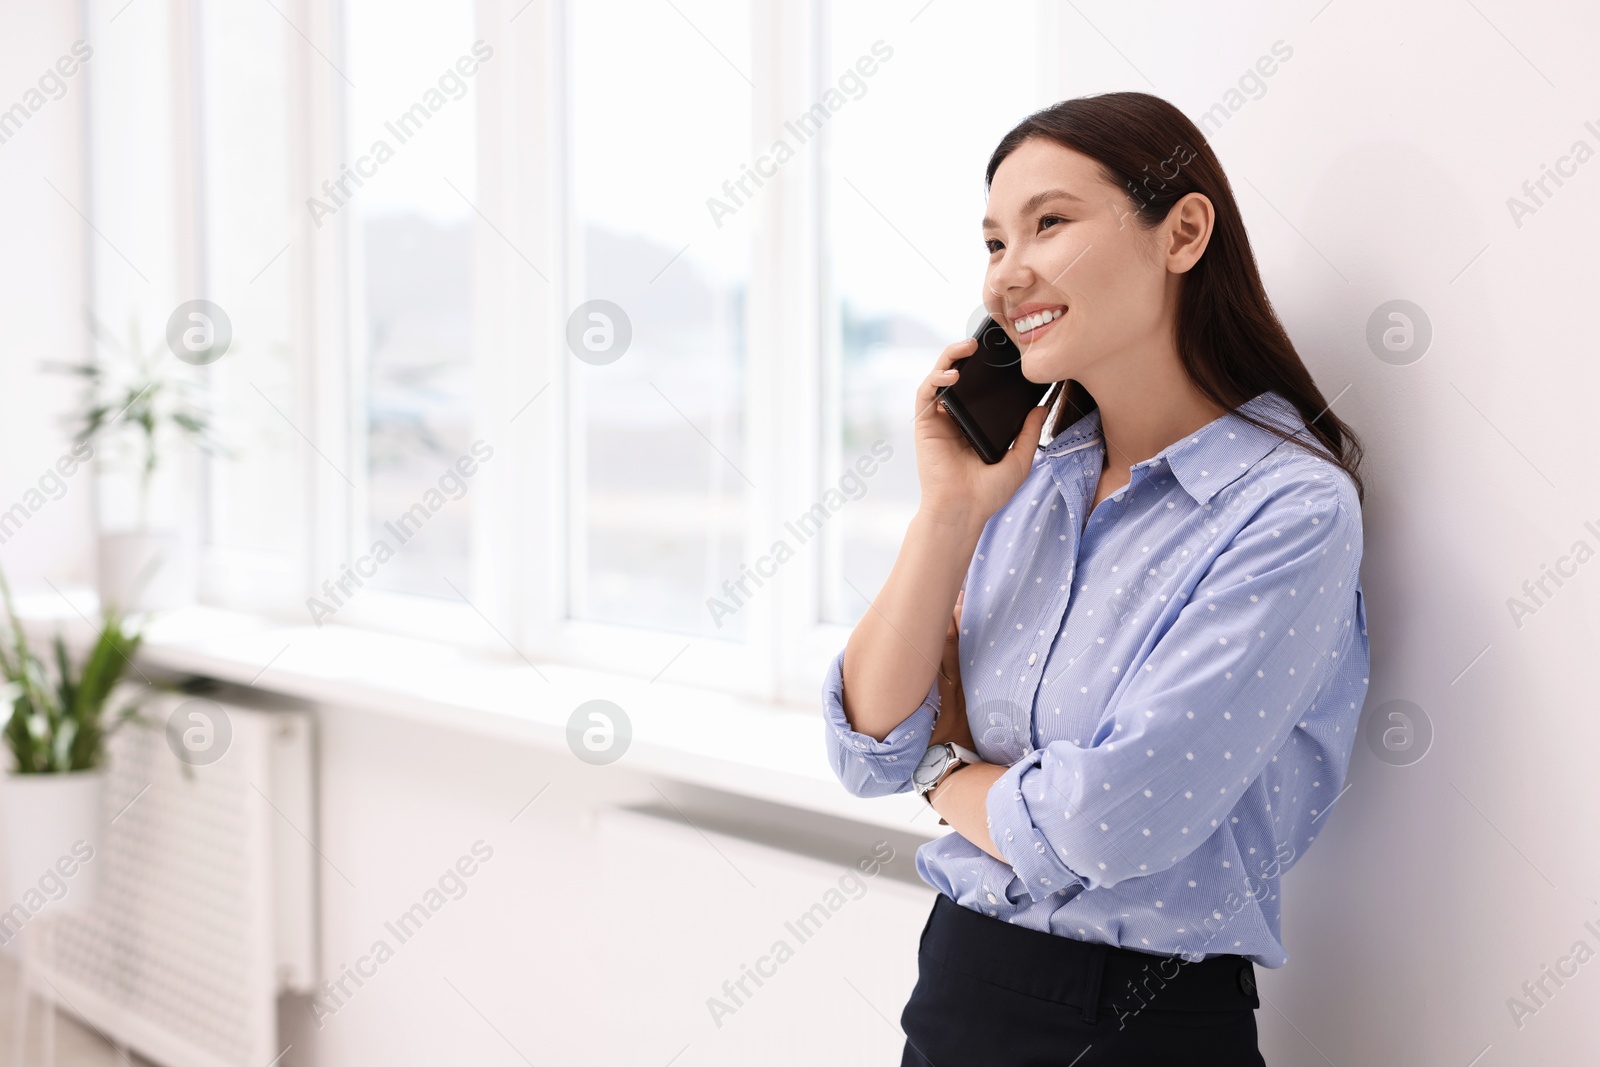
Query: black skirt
column 989, row 992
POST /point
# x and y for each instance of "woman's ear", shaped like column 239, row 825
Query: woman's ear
column 1187, row 231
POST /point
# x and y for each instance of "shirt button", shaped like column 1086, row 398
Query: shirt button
column 1032, row 656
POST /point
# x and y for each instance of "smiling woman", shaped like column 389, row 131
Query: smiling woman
column 1127, row 157
column 1151, row 630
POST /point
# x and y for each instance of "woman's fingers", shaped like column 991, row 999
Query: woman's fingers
column 954, row 351
column 1027, row 441
column 942, row 373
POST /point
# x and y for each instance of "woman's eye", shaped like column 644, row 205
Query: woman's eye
column 994, row 245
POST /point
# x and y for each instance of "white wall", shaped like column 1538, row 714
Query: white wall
column 1376, row 166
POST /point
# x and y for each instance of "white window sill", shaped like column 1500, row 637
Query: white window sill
column 712, row 739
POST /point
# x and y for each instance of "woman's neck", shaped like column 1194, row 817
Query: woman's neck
column 1138, row 425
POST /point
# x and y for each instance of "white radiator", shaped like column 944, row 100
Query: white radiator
column 695, row 915
column 205, row 907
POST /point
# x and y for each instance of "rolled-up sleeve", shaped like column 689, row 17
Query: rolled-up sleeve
column 1269, row 624
column 866, row 766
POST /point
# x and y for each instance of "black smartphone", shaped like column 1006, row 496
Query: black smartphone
column 991, row 399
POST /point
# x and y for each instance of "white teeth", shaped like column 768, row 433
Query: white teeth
column 1033, row 322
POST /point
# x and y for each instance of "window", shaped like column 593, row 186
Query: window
column 411, row 112
column 594, row 218
column 256, row 506
column 659, row 490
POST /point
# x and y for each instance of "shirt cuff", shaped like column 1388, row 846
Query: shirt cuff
column 869, row 767
column 1011, row 827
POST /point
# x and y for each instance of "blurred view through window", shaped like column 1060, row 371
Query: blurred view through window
column 412, row 279
column 658, row 507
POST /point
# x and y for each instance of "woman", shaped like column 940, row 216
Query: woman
column 1146, row 641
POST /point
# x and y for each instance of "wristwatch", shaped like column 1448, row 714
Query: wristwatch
column 937, row 764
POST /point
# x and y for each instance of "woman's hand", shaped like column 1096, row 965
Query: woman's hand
column 952, row 724
column 956, row 482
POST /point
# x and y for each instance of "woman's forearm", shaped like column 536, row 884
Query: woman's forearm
column 962, row 800
column 893, row 654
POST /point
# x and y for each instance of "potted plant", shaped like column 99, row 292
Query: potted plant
column 56, row 733
column 134, row 408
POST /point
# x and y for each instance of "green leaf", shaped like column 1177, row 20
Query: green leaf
column 58, row 727
column 61, row 748
column 83, row 370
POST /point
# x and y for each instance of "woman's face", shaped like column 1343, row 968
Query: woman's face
column 1064, row 246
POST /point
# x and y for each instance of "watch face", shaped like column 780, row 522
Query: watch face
column 929, row 766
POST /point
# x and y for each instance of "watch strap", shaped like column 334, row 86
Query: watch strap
column 965, row 757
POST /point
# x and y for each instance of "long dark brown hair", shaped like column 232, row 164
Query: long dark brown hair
column 1230, row 340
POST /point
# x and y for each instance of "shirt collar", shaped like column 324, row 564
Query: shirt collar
column 1214, row 456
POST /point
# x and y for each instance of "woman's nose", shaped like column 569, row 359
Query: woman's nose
column 1011, row 274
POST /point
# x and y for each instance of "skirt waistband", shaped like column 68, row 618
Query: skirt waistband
column 1099, row 978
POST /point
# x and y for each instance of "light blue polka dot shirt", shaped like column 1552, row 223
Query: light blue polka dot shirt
column 1174, row 685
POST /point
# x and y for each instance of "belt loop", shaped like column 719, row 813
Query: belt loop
column 1097, row 964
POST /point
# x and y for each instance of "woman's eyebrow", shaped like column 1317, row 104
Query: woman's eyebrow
column 1038, row 200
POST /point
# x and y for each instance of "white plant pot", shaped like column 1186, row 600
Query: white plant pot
column 139, row 570
column 55, row 835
